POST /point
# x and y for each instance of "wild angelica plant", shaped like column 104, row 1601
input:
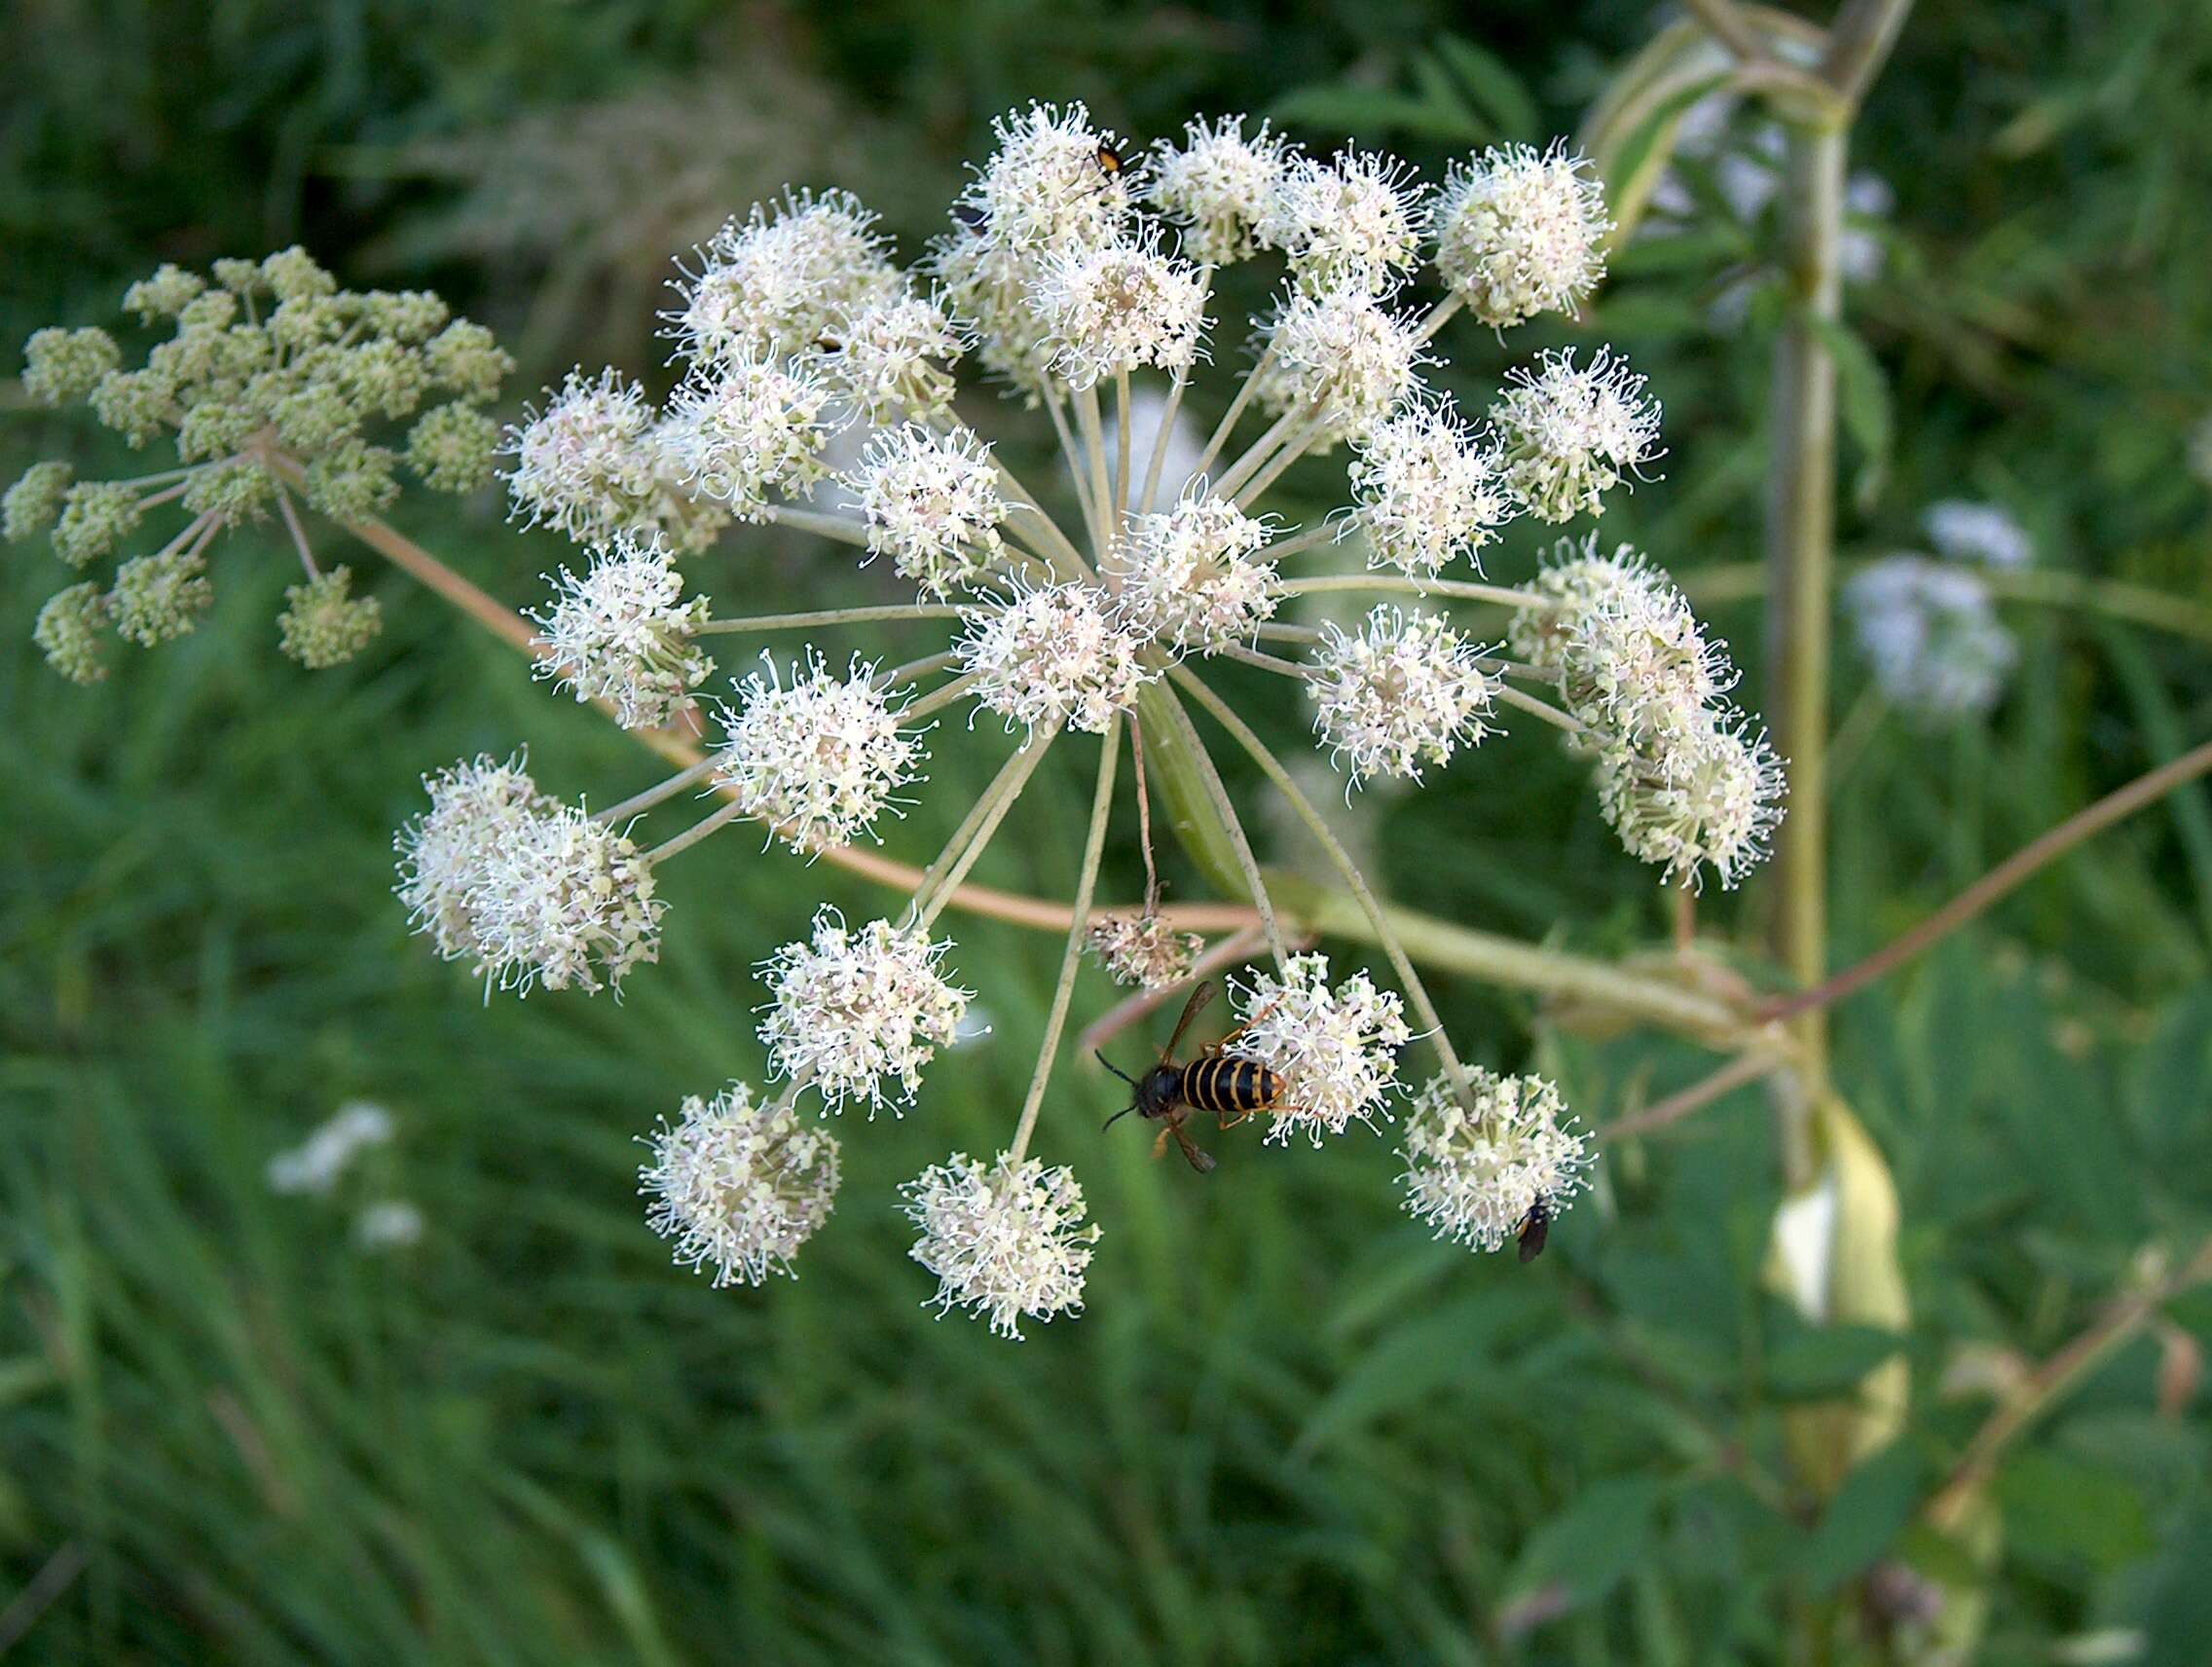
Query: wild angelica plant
column 1071, row 271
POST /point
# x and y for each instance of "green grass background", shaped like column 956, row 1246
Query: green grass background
column 1288, row 1428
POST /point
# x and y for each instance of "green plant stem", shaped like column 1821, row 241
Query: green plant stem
column 991, row 810
column 1543, row 708
column 1122, row 481
column 654, row 795
column 1279, row 432
column 1071, row 958
column 1161, row 439
column 826, row 616
column 942, row 696
column 837, row 526
column 692, row 834
column 1078, row 473
column 1800, row 536
column 1858, row 44
column 1297, row 446
column 1298, row 543
column 1254, row 882
column 1441, row 315
column 908, row 669
column 1417, row 992
column 1243, row 397
column 1106, row 513
column 1399, row 586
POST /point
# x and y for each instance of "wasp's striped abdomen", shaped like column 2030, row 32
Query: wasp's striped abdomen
column 1219, row 1084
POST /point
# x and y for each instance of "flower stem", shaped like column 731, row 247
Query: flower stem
column 1228, row 424
column 653, row 795
column 983, row 823
column 1440, row 315
column 1160, row 441
column 1417, row 992
column 837, row 526
column 1543, row 708
column 1226, row 810
column 827, row 616
column 1071, row 958
column 1279, row 432
column 1299, row 544
column 942, row 696
column 697, row 831
column 1295, row 448
column 1072, row 454
column 299, row 533
column 912, row 669
column 1103, row 507
column 1399, row 586
column 1122, row 481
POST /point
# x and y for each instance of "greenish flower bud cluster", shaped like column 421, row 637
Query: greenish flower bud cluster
column 271, row 378
column 323, row 625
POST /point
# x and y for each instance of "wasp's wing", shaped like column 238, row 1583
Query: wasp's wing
column 1191, row 1009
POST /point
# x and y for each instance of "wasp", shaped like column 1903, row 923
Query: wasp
column 1233, row 1090
column 1536, row 1227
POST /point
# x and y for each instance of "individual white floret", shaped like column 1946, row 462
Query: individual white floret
column 623, row 633
column 1570, row 432
column 856, row 1015
column 1428, row 491
column 1219, row 186
column 1984, row 533
column 738, row 1186
column 931, row 500
column 892, row 359
column 1112, row 308
column 1930, row 634
column 1054, row 655
column 751, row 426
column 1473, row 1172
column 1006, row 1241
column 820, row 758
column 1336, row 1049
column 1521, row 232
column 1401, row 692
column 772, row 283
column 1355, row 222
column 1195, row 578
column 1342, row 359
column 564, row 901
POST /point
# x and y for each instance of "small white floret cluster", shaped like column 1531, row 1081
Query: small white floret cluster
column 1006, row 1241
column 1335, row 1047
column 1476, row 1167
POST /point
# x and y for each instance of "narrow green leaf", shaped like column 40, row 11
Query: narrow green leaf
column 1864, row 1518
column 1862, row 394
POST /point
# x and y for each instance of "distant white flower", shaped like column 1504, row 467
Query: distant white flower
column 1336, row 1049
column 566, row 900
column 1115, row 307
column 747, row 426
column 622, row 633
column 891, row 359
column 316, row 1165
column 1006, row 1240
column 1474, row 1174
column 820, row 758
column 1705, row 795
column 1047, row 185
column 1143, row 949
column 1569, row 432
column 389, row 1224
column 1218, row 186
column 1401, row 692
column 1054, row 655
column 858, row 1015
column 1522, row 232
column 1342, row 358
column 1984, row 533
column 1932, row 636
column 446, row 853
column 738, row 1186
column 933, row 502
column 589, row 466
column 1355, row 222
column 1427, row 491
column 1195, row 578
column 774, row 283
column 1867, row 199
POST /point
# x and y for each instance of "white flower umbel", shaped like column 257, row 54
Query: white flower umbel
column 1195, row 578
column 1474, row 1171
column 564, row 901
column 933, row 502
column 1428, row 491
column 1984, row 533
column 1054, row 655
column 859, row 1013
column 1932, row 636
column 738, row 1186
column 1635, row 661
column 1578, row 578
column 622, row 633
column 1047, row 185
column 1704, row 795
column 1401, row 691
column 891, row 360
column 445, row 854
column 1341, row 358
column 1336, row 1051
column 1007, row 1241
column 820, row 758
column 1218, row 186
column 1570, row 432
column 1143, row 949
column 1355, row 222
column 588, row 465
column 749, row 426
column 775, row 281
column 1112, row 308
column 1521, row 232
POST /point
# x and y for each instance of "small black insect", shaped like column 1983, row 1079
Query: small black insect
column 1108, row 160
column 1536, row 1227
column 1233, row 1090
column 972, row 216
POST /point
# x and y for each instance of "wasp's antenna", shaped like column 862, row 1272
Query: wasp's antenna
column 1116, row 1117
column 1115, row 1069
